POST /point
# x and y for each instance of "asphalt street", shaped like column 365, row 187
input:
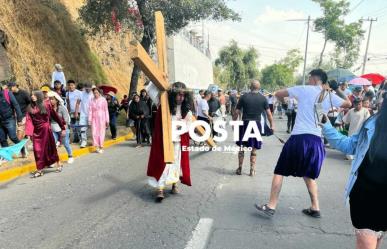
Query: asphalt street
column 103, row 201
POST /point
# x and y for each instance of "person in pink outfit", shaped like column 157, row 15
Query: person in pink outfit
column 98, row 119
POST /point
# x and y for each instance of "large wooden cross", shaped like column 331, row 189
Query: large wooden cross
column 158, row 75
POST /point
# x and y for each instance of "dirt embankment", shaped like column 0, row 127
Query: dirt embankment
column 42, row 33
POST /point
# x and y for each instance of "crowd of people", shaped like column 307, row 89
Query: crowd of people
column 57, row 114
column 320, row 114
column 351, row 120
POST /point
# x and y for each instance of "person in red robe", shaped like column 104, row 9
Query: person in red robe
column 38, row 128
column 161, row 174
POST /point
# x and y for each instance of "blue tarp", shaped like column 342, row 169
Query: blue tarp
column 8, row 152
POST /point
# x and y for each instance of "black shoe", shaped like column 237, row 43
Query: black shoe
column 265, row 211
column 312, row 213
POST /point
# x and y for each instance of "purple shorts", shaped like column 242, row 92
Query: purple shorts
column 251, row 142
column 301, row 156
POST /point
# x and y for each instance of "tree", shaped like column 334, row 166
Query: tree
column 137, row 16
column 348, row 45
column 292, row 59
column 346, row 37
column 250, row 60
column 237, row 65
column 281, row 73
column 276, row 76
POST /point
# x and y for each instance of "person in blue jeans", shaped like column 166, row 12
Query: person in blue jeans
column 8, row 108
column 57, row 105
column 367, row 185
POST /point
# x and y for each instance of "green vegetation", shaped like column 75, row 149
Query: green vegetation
column 236, row 66
column 137, row 16
column 42, row 34
column 282, row 73
column 346, row 37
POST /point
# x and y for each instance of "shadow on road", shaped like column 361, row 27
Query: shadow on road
column 136, row 187
column 220, row 171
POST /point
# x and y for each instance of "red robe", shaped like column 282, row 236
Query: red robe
column 156, row 164
column 38, row 127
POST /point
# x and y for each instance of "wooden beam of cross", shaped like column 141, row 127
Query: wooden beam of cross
column 157, row 74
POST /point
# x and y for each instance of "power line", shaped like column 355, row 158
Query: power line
column 258, row 46
column 376, row 12
column 357, row 5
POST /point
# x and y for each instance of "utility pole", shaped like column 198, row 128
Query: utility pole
column 306, row 45
column 306, row 52
column 371, row 20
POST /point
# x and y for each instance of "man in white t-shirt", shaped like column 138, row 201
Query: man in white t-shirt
column 86, row 96
column 202, row 109
column 73, row 100
column 304, row 152
column 198, row 98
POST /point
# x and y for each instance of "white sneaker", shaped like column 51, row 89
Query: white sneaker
column 83, row 144
column 71, row 160
column 101, row 151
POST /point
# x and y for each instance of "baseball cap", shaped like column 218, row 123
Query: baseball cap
column 45, row 89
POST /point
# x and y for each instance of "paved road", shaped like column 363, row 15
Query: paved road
column 102, row 201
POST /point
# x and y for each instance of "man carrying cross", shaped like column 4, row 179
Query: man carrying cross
column 163, row 174
column 173, row 100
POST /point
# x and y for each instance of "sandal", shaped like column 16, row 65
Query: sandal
column 175, row 189
column 37, row 174
column 160, row 196
column 239, row 171
column 265, row 211
column 59, row 169
column 312, row 213
column 252, row 172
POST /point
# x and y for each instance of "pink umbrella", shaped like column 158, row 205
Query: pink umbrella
column 360, row 82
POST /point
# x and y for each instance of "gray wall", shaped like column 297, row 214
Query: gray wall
column 188, row 64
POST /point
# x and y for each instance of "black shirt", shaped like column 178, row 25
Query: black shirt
column 23, row 98
column 375, row 172
column 233, row 100
column 213, row 106
column 252, row 106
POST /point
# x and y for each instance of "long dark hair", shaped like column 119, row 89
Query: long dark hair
column 379, row 141
column 186, row 105
column 39, row 103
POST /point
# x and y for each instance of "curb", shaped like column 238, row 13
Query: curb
column 12, row 174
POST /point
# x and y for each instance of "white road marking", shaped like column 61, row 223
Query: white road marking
column 201, row 234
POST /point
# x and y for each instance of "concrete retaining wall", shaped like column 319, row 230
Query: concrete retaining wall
column 188, row 64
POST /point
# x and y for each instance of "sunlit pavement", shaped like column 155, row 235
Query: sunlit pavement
column 102, row 201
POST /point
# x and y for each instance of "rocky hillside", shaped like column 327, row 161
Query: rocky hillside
column 41, row 33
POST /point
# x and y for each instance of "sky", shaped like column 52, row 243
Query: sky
column 265, row 26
